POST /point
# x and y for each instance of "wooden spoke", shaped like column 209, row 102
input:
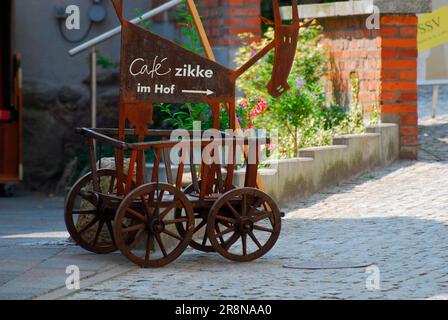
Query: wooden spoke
column 256, row 227
column 263, row 216
column 172, row 234
column 149, row 245
column 242, row 223
column 226, row 219
column 204, row 239
column 133, row 228
column 244, row 205
column 111, row 230
column 178, row 220
column 168, row 209
column 80, row 212
column 136, row 214
column 151, row 195
column 98, row 231
column 88, row 226
column 160, row 197
column 88, row 196
column 255, row 240
column 200, row 226
column 255, row 206
column 146, row 207
column 159, row 201
column 161, row 245
column 74, row 213
column 111, row 185
column 222, row 233
column 234, row 238
column 244, row 242
column 137, row 240
column 235, row 213
column 218, row 230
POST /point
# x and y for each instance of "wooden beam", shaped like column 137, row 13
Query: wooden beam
column 202, row 34
column 209, row 52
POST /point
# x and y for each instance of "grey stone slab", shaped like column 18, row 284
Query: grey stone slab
column 20, row 293
column 361, row 7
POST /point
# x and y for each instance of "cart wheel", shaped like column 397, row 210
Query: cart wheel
column 245, row 215
column 201, row 216
column 88, row 220
column 148, row 213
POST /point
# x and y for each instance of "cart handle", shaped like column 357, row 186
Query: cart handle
column 102, row 138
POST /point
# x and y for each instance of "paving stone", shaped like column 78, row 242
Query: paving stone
column 395, row 217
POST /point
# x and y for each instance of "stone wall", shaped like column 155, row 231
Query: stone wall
column 321, row 167
column 382, row 63
column 52, row 150
column 376, row 68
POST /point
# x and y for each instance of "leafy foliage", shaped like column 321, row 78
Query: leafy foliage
column 301, row 115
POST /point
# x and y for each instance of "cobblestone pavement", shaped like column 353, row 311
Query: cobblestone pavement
column 396, row 218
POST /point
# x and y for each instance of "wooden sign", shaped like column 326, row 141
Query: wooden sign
column 154, row 69
column 433, row 29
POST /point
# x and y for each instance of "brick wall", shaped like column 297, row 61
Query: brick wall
column 385, row 62
column 224, row 20
column 382, row 62
column 353, row 51
column 399, row 79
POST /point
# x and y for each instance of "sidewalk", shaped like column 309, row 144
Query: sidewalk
column 33, row 250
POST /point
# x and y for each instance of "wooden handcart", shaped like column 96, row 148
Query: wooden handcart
column 153, row 222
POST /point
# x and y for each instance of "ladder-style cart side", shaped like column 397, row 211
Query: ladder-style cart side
column 153, row 222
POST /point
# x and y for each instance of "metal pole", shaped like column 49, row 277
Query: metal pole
column 109, row 34
column 93, row 85
column 435, row 101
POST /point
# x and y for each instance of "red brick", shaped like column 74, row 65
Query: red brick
column 389, row 53
column 399, row 108
column 391, row 20
column 409, row 96
column 409, row 119
column 408, row 31
column 408, row 130
column 388, row 32
column 408, row 53
column 400, row 64
column 409, row 140
column 410, row 75
column 389, row 97
column 401, row 43
column 399, row 86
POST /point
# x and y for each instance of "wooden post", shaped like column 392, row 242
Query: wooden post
column 208, row 50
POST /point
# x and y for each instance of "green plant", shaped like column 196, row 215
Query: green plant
column 183, row 115
column 297, row 114
column 301, row 116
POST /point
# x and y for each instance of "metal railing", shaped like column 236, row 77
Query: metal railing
column 435, row 92
column 91, row 44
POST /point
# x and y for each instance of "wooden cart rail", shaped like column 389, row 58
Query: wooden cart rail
column 101, row 135
column 204, row 185
column 240, row 223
